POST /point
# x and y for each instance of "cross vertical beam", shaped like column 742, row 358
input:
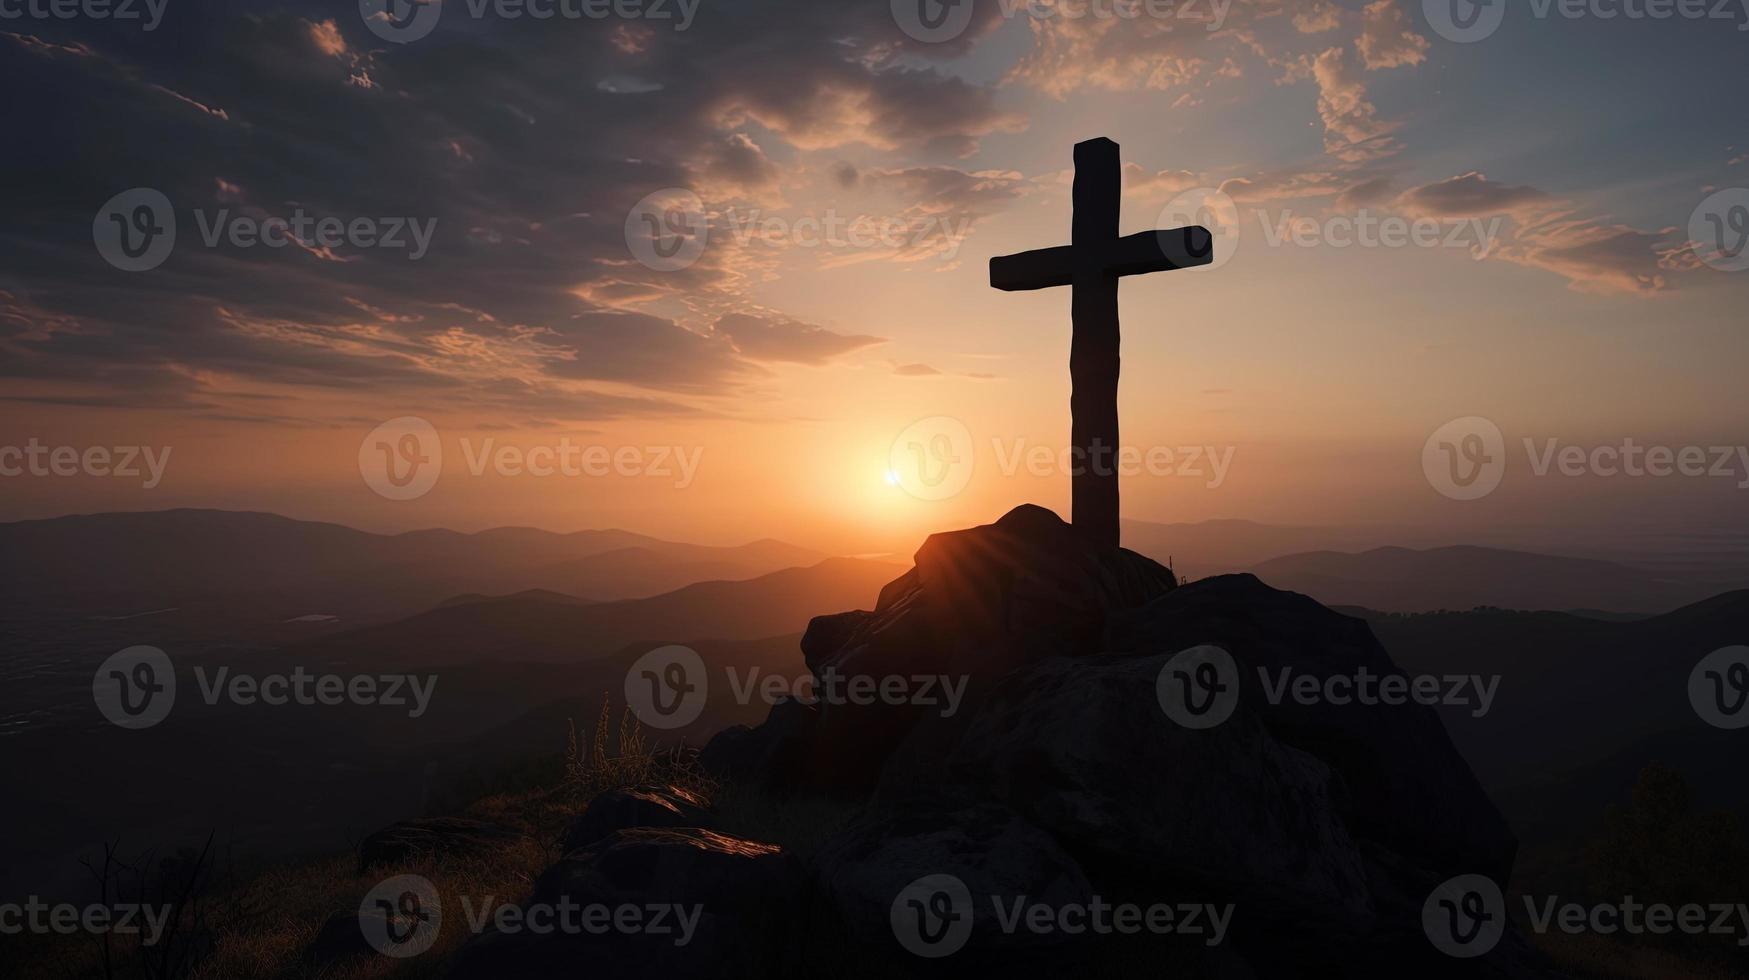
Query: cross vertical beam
column 1093, row 345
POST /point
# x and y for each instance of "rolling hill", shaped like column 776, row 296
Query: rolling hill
column 1464, row 577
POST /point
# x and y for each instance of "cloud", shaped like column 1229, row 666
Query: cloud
column 1386, row 39
column 1353, row 131
column 915, row 371
column 1373, row 190
column 504, row 135
column 775, row 338
column 1601, row 257
column 1471, row 194
column 1594, row 255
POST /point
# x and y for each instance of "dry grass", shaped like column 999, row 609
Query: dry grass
column 262, row 928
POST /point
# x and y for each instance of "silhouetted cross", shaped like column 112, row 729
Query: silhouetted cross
column 1092, row 263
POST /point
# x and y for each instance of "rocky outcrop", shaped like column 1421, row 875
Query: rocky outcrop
column 661, row 902
column 1070, row 774
column 639, row 806
column 1323, row 823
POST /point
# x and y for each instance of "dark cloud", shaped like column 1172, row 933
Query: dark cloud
column 526, row 142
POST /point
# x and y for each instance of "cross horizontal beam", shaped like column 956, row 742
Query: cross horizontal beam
column 1144, row 252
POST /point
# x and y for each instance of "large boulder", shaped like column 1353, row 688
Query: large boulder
column 1082, row 749
column 888, row 866
column 637, row 806
column 1406, row 787
column 665, row 902
column 774, row 756
column 979, row 603
column 989, row 598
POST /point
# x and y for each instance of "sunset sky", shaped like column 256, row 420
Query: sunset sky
column 786, row 366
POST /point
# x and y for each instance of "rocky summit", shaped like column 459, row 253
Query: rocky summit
column 1068, row 811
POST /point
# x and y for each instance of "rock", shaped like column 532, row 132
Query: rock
column 773, row 756
column 1082, row 749
column 989, row 598
column 412, row 840
column 1326, row 824
column 872, row 864
column 979, row 603
column 1407, row 788
column 728, row 913
column 640, row 806
column 1067, row 775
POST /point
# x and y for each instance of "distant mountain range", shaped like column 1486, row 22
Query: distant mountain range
column 126, row 563
column 241, row 567
column 1583, row 704
column 544, row 628
column 1464, row 577
column 1350, row 567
